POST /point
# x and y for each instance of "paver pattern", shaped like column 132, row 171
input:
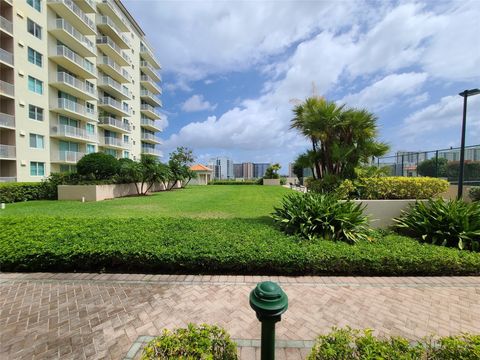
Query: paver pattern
column 99, row 316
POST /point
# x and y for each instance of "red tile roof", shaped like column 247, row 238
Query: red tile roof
column 199, row 167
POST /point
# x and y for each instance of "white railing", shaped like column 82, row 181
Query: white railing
column 111, row 141
column 8, row 179
column 67, row 156
column 75, row 107
column 150, row 80
column 150, row 108
column 107, row 21
column 145, row 92
column 107, row 120
column 107, row 40
column 7, row 88
column 72, row 131
column 6, row 56
column 107, row 80
column 77, row 59
column 148, row 136
column 114, row 103
column 7, row 151
column 63, row 77
column 77, row 11
column 6, row 25
column 65, row 25
column 108, row 61
column 149, row 122
column 150, row 151
column 114, row 10
column 7, row 120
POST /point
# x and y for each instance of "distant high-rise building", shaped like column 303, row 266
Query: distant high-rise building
column 222, row 167
column 260, row 169
column 290, row 170
column 247, row 170
column 238, row 171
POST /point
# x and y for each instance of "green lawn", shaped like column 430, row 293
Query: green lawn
column 219, row 201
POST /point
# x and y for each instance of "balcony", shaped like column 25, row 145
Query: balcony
column 150, row 151
column 112, row 69
column 150, row 97
column 4, row 179
column 6, row 57
column 73, row 110
column 66, row 157
column 87, row 6
column 109, row 28
column 114, row 88
column 115, row 143
column 149, row 111
column 110, row 48
column 74, row 39
column 148, row 83
column 74, row 62
column 67, row 132
column 110, row 123
column 148, row 55
column 7, row 152
column 112, row 106
column 149, row 138
column 149, row 124
column 150, row 70
column 7, row 121
column 6, row 25
column 69, row 10
column 7, row 89
column 107, row 7
column 78, row 88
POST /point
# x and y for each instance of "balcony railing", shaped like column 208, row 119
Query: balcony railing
column 108, row 61
column 117, row 123
column 152, row 82
column 65, row 25
column 75, row 107
column 8, row 179
column 107, row 21
column 148, row 136
column 78, row 84
column 150, row 151
column 150, row 108
column 107, row 80
column 145, row 92
column 6, row 25
column 67, row 156
column 77, row 11
column 119, row 16
column 107, row 40
column 77, row 59
column 7, row 151
column 114, row 103
column 146, row 64
column 73, row 132
column 111, row 141
column 6, row 56
column 6, row 88
column 7, row 120
column 149, row 123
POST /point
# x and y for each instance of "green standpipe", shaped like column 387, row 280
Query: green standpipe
column 269, row 302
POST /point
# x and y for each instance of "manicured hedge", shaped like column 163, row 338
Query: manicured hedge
column 180, row 245
column 395, row 187
column 14, row 192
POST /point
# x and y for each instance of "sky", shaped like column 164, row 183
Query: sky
column 233, row 70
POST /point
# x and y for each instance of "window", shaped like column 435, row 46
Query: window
column 36, row 4
column 90, row 148
column 90, row 108
column 35, row 85
column 34, row 29
column 35, row 57
column 35, row 112
column 111, row 152
column 90, row 129
column 126, row 154
column 67, row 168
column 36, row 141
column 37, row 168
column 125, row 138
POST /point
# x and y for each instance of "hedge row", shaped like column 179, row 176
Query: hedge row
column 14, row 192
column 172, row 245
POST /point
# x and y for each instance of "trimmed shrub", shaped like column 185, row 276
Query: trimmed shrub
column 327, row 184
column 194, row 342
column 14, row 192
column 98, row 166
column 313, row 215
column 350, row 344
column 453, row 223
column 474, row 193
column 398, row 187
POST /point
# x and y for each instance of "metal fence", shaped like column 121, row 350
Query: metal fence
column 441, row 163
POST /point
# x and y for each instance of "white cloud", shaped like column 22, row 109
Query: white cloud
column 196, row 103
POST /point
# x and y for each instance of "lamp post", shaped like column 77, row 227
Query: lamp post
column 465, row 94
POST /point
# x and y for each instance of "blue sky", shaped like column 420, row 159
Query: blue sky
column 231, row 68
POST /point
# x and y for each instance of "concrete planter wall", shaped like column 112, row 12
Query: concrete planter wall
column 102, row 192
column 271, row 182
column 382, row 212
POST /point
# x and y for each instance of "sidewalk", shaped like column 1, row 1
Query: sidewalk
column 96, row 316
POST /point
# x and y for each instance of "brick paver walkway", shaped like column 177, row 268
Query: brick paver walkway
column 77, row 316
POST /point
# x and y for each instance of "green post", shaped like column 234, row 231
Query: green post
column 269, row 302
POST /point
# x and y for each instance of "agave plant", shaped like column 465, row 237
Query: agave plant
column 448, row 223
column 314, row 215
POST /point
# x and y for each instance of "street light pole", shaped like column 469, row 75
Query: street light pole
column 465, row 94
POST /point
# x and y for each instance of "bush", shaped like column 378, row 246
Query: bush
column 210, row 246
column 399, row 187
column 314, row 215
column 349, row 344
column 194, row 342
column 327, row 184
column 433, row 167
column 14, row 192
column 98, row 166
column 453, row 223
column 474, row 193
column 471, row 170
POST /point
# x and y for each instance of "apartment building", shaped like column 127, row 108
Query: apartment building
column 76, row 77
column 222, row 167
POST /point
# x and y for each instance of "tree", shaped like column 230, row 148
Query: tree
column 98, row 166
column 341, row 138
column 145, row 173
column 305, row 160
column 179, row 163
column 272, row 172
column 433, row 167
